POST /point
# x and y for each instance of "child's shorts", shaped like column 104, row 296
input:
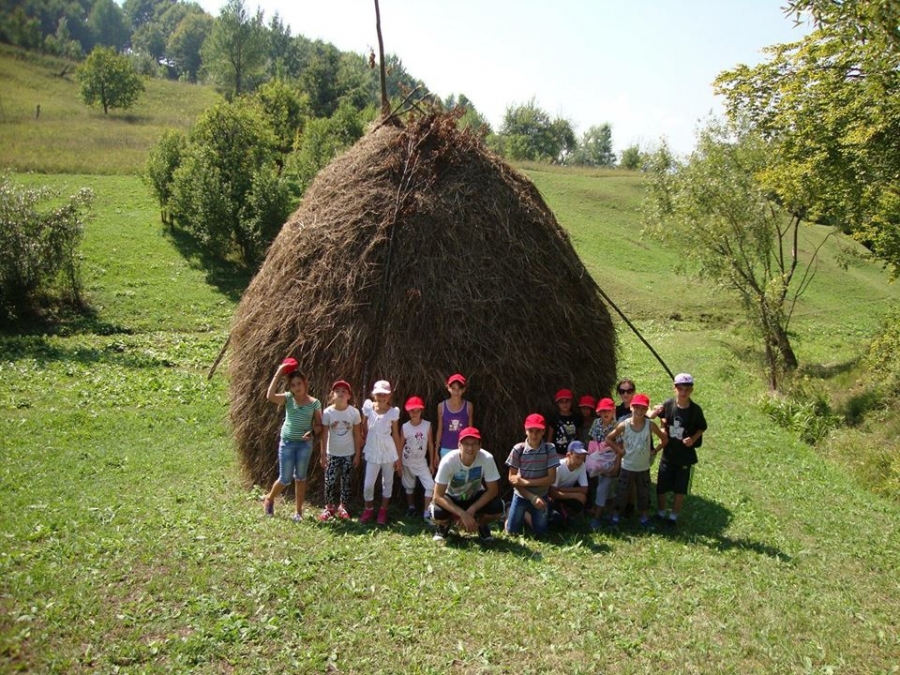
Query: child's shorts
column 674, row 478
column 293, row 460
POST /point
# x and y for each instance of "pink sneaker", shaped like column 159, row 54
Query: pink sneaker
column 366, row 515
column 382, row 516
column 326, row 515
column 342, row 513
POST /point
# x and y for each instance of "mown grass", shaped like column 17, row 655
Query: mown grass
column 131, row 545
column 69, row 137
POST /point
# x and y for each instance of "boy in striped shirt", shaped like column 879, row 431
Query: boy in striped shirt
column 532, row 470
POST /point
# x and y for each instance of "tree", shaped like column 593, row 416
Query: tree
column 234, row 54
column 632, row 158
column 183, row 48
column 108, row 25
column 109, row 80
column 715, row 211
column 164, row 158
column 595, row 148
column 528, row 133
column 829, row 106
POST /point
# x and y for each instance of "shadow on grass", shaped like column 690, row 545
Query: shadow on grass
column 228, row 277
column 828, row 371
column 64, row 321
column 39, row 348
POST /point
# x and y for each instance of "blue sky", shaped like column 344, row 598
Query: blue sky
column 644, row 66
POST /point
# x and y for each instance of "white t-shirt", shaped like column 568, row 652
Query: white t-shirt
column 464, row 481
column 415, row 446
column 340, row 423
column 566, row 478
column 380, row 448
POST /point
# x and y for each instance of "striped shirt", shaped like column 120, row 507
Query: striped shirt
column 297, row 418
column 533, row 463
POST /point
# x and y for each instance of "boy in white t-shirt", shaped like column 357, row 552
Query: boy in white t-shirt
column 569, row 493
column 341, row 445
column 418, row 456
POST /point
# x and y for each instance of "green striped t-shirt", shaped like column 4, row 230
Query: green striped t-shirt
column 297, row 418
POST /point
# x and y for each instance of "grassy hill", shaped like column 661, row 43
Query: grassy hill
column 130, row 545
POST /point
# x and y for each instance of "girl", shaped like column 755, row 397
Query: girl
column 418, row 455
column 603, row 461
column 340, row 449
column 382, row 450
column 453, row 415
column 586, row 406
column 302, row 419
column 563, row 426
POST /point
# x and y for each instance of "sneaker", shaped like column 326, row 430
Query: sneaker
column 269, row 507
column 342, row 513
column 441, row 533
column 411, row 512
column 382, row 516
column 298, row 518
column 326, row 515
column 427, row 518
column 485, row 534
column 367, row 515
column 647, row 524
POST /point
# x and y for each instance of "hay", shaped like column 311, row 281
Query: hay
column 417, row 254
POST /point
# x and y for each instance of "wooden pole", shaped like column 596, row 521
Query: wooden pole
column 385, row 103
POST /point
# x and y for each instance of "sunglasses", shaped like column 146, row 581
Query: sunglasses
column 626, row 391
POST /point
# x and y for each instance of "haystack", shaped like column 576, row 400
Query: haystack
column 417, row 254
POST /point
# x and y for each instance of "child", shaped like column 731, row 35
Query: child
column 568, row 494
column 302, row 420
column 563, row 426
column 625, row 388
column 382, row 450
column 532, row 470
column 586, row 406
column 603, row 461
column 418, row 456
column 453, row 415
column 340, row 449
column 684, row 423
column 637, row 454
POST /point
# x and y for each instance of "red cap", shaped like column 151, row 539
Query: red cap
column 606, row 404
column 586, row 401
column 415, row 403
column 641, row 399
column 456, row 377
column 290, row 365
column 535, row 421
column 342, row 384
column 564, row 393
column 470, row 432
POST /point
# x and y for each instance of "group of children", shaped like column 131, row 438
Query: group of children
column 574, row 459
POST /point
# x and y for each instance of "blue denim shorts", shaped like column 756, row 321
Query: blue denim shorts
column 293, row 460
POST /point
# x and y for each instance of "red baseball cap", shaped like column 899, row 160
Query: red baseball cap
column 342, row 384
column 535, row 421
column 290, row 365
column 564, row 393
column 605, row 404
column 586, row 401
column 641, row 399
column 415, row 403
column 456, row 377
column 470, row 432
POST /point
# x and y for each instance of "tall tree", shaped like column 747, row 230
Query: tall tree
column 528, row 133
column 234, row 54
column 715, row 211
column 595, row 148
column 108, row 25
column 109, row 80
column 183, row 48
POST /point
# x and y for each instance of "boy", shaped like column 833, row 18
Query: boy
column 532, row 470
column 418, row 456
column 467, row 487
column 637, row 454
column 684, row 423
column 569, row 493
column 563, row 427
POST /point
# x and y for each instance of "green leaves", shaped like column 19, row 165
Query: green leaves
column 109, row 80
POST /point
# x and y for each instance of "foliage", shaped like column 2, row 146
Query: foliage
column 803, row 410
column 829, row 105
column 224, row 192
column 528, row 133
column 108, row 25
column 595, row 148
column 183, row 50
column 632, row 158
column 286, row 108
column 883, row 357
column 234, row 54
column 109, row 80
column 39, row 239
column 714, row 210
column 163, row 160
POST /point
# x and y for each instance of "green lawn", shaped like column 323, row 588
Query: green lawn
column 131, row 545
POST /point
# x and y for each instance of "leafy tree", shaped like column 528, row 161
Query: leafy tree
column 183, row 48
column 149, row 39
column 165, row 157
column 284, row 53
column 286, row 109
column 471, row 118
column 39, row 241
column 595, row 148
column 109, row 80
column 829, row 105
column 108, row 25
column 632, row 158
column 141, row 12
column 715, row 211
column 528, row 133
column 319, row 79
column 227, row 191
column 234, row 54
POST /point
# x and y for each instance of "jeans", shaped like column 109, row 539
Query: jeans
column 517, row 510
column 293, row 460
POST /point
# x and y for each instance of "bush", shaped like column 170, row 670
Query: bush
column 804, row 411
column 164, row 159
column 39, row 239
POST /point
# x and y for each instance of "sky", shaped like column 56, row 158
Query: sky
column 644, row 66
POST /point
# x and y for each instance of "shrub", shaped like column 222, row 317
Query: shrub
column 39, row 238
column 804, row 411
column 164, row 159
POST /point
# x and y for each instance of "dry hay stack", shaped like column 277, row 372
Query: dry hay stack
column 415, row 255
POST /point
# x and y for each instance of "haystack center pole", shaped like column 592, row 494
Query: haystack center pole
column 385, row 103
column 635, row 331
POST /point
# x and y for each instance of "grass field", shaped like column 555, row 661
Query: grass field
column 130, row 544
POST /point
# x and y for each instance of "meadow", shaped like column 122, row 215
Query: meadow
column 131, row 544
